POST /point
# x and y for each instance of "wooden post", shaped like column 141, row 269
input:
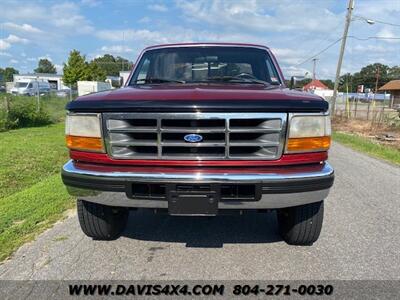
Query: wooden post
column 355, row 109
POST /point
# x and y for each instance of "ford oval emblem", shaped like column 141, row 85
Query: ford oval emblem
column 193, row 138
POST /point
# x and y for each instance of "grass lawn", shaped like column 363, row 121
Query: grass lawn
column 29, row 155
column 32, row 196
column 367, row 146
column 25, row 214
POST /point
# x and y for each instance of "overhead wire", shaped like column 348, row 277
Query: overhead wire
column 338, row 40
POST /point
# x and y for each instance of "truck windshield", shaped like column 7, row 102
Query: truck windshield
column 21, row 84
column 205, row 64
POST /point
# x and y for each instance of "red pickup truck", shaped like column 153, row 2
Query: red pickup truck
column 200, row 130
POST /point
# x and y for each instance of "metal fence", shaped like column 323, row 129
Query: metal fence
column 377, row 112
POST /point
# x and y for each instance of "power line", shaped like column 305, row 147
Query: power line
column 377, row 21
column 320, row 52
column 387, row 23
column 374, row 38
column 317, row 54
column 338, row 40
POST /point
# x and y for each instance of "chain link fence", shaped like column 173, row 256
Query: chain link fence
column 377, row 112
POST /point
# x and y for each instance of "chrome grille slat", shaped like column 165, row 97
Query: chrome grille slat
column 226, row 136
column 136, row 143
column 249, row 129
column 265, row 144
column 127, row 130
column 199, row 130
column 177, row 144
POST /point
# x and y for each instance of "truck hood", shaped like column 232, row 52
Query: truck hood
column 207, row 97
column 200, row 92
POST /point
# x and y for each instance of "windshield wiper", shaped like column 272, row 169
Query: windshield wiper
column 238, row 80
column 158, row 80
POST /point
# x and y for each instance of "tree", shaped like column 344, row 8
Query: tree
column 45, row 66
column 113, row 65
column 346, row 82
column 394, row 73
column 368, row 74
column 75, row 69
column 95, row 72
column 329, row 83
column 7, row 74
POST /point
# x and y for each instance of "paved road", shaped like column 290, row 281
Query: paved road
column 360, row 240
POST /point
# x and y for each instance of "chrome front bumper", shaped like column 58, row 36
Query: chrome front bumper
column 281, row 186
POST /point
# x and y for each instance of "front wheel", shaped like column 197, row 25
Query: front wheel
column 301, row 225
column 101, row 222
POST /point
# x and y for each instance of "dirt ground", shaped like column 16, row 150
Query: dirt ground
column 382, row 134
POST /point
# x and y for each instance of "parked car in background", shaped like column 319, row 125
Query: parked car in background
column 2, row 89
column 63, row 93
column 30, row 87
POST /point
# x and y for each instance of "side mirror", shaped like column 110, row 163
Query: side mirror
column 293, row 82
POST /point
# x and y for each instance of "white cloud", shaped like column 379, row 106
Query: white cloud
column 47, row 56
column 256, row 15
column 117, row 49
column 388, row 33
column 63, row 15
column 13, row 39
column 144, row 20
column 13, row 61
column 369, row 48
column 22, row 28
column 19, row 11
column 4, row 45
column 132, row 35
column 67, row 16
column 287, row 55
column 158, row 7
column 59, row 68
column 296, row 71
column 31, row 59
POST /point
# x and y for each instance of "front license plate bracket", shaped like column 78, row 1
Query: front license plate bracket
column 193, row 199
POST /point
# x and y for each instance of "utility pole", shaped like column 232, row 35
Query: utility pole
column 377, row 80
column 350, row 8
column 314, row 68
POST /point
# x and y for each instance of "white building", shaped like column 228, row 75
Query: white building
column 124, row 75
column 318, row 88
column 55, row 80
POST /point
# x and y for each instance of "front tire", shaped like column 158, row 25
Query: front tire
column 301, row 225
column 101, row 222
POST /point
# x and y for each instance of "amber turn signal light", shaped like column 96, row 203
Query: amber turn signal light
column 84, row 143
column 321, row 143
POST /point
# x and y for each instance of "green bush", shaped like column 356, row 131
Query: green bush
column 19, row 112
column 27, row 115
column 3, row 120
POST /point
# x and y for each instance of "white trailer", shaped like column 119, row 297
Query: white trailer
column 88, row 87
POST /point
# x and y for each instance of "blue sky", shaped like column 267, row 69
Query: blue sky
column 295, row 30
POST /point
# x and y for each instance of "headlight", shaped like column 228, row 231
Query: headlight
column 309, row 134
column 83, row 132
